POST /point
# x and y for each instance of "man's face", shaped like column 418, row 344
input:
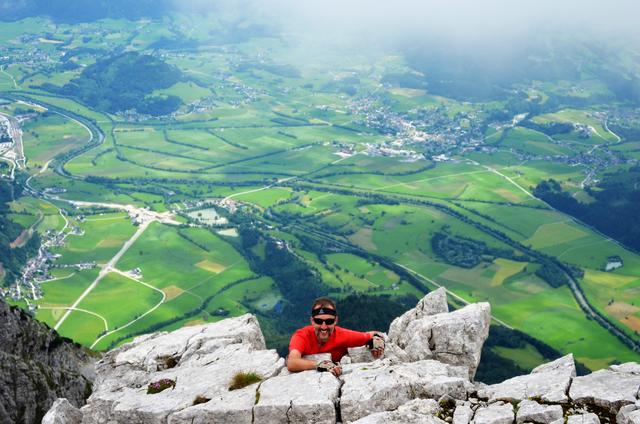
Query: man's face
column 323, row 330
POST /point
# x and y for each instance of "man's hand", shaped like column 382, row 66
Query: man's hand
column 376, row 345
column 329, row 366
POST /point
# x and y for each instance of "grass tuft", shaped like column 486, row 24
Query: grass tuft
column 244, row 379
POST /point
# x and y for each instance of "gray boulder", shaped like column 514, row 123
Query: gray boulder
column 607, row 389
column 397, row 417
column 589, row 418
column 433, row 303
column 305, row 397
column 533, row 412
column 463, row 414
column 548, row 382
column 381, row 386
column 628, row 414
column 62, row 412
column 495, row 413
column 454, row 338
column 629, row 368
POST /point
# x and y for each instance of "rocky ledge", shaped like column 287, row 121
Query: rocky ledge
column 426, row 376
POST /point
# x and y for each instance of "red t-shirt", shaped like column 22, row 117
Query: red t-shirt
column 304, row 341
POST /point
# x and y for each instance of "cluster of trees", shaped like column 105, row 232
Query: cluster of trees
column 458, row 251
column 298, row 283
column 13, row 259
column 617, row 195
column 124, row 82
column 548, row 128
column 465, row 252
column 552, row 274
column 365, row 312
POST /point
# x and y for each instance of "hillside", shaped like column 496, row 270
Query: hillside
column 125, row 82
column 37, row 366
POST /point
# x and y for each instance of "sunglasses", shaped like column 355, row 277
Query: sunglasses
column 328, row 321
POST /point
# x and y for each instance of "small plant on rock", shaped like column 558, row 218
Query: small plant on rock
column 160, row 385
column 244, row 379
column 200, row 399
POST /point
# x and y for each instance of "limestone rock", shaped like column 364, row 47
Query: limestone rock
column 360, row 354
column 589, row 418
column 380, row 386
column 202, row 360
column 397, row 417
column 223, row 407
column 628, row 414
column 305, row 397
column 629, row 367
column 433, row 303
column 318, row 357
column 62, row 412
column 531, row 411
column 548, row 382
column 454, row 338
column 606, row 388
column 421, row 406
column 391, row 351
column 495, row 413
column 463, row 414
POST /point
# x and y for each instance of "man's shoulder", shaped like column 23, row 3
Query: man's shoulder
column 339, row 329
column 345, row 333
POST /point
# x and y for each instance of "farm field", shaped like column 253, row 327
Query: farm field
column 101, row 238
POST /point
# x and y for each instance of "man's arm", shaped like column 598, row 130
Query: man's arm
column 295, row 363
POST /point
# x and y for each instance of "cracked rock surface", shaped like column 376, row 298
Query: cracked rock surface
column 610, row 388
column 402, row 387
column 384, row 387
column 548, row 382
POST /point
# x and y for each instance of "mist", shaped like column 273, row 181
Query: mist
column 458, row 22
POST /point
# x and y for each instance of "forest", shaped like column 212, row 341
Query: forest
column 617, row 195
column 124, row 82
column 13, row 258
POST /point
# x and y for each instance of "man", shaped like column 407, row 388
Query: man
column 324, row 336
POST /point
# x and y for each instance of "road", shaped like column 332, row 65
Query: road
column 282, row 180
column 105, row 270
column 157, row 305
